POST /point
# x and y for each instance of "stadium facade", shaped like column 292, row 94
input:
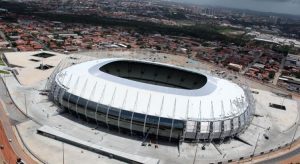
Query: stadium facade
column 146, row 98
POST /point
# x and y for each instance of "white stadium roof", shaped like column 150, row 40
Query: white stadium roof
column 218, row 99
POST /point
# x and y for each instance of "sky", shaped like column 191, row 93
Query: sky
column 276, row 6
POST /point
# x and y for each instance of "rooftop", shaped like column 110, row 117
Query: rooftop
column 217, row 99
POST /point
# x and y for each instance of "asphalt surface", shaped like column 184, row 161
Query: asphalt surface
column 283, row 157
column 286, row 156
column 14, row 114
column 6, row 153
column 10, row 117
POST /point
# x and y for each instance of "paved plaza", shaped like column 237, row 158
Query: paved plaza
column 270, row 130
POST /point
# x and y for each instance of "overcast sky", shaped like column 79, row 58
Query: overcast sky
column 278, row 6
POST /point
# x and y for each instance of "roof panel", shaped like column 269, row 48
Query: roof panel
column 216, row 90
column 143, row 102
column 108, row 94
column 120, row 96
column 168, row 107
column 130, row 100
column 156, row 105
column 181, row 108
column 194, row 109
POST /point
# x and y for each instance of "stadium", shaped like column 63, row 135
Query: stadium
column 145, row 98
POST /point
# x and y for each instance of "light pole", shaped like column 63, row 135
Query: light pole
column 25, row 104
column 195, row 156
column 296, row 128
column 255, row 146
column 63, row 152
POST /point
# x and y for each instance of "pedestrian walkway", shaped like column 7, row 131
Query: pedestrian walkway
column 122, row 156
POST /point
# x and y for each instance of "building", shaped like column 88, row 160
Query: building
column 292, row 61
column 292, row 83
column 235, row 67
column 146, row 98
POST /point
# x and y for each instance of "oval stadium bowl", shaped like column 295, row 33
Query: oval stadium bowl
column 147, row 98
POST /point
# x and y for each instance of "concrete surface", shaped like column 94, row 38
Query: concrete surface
column 26, row 69
column 280, row 127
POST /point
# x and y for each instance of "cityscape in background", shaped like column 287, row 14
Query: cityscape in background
column 255, row 50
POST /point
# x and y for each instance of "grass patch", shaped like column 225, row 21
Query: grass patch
column 229, row 31
column 1, row 62
column 3, row 72
column 225, row 30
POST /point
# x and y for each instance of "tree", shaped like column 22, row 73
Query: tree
column 297, row 75
column 271, row 74
column 158, row 48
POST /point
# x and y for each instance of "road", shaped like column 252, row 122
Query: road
column 14, row 114
column 10, row 134
column 6, row 153
column 277, row 75
column 38, row 41
column 2, row 35
column 285, row 157
column 8, row 120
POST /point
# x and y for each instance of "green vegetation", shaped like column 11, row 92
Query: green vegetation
column 219, row 49
column 225, row 30
column 3, row 72
column 175, row 15
column 285, row 49
column 1, row 62
column 271, row 75
column 297, row 75
column 201, row 32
